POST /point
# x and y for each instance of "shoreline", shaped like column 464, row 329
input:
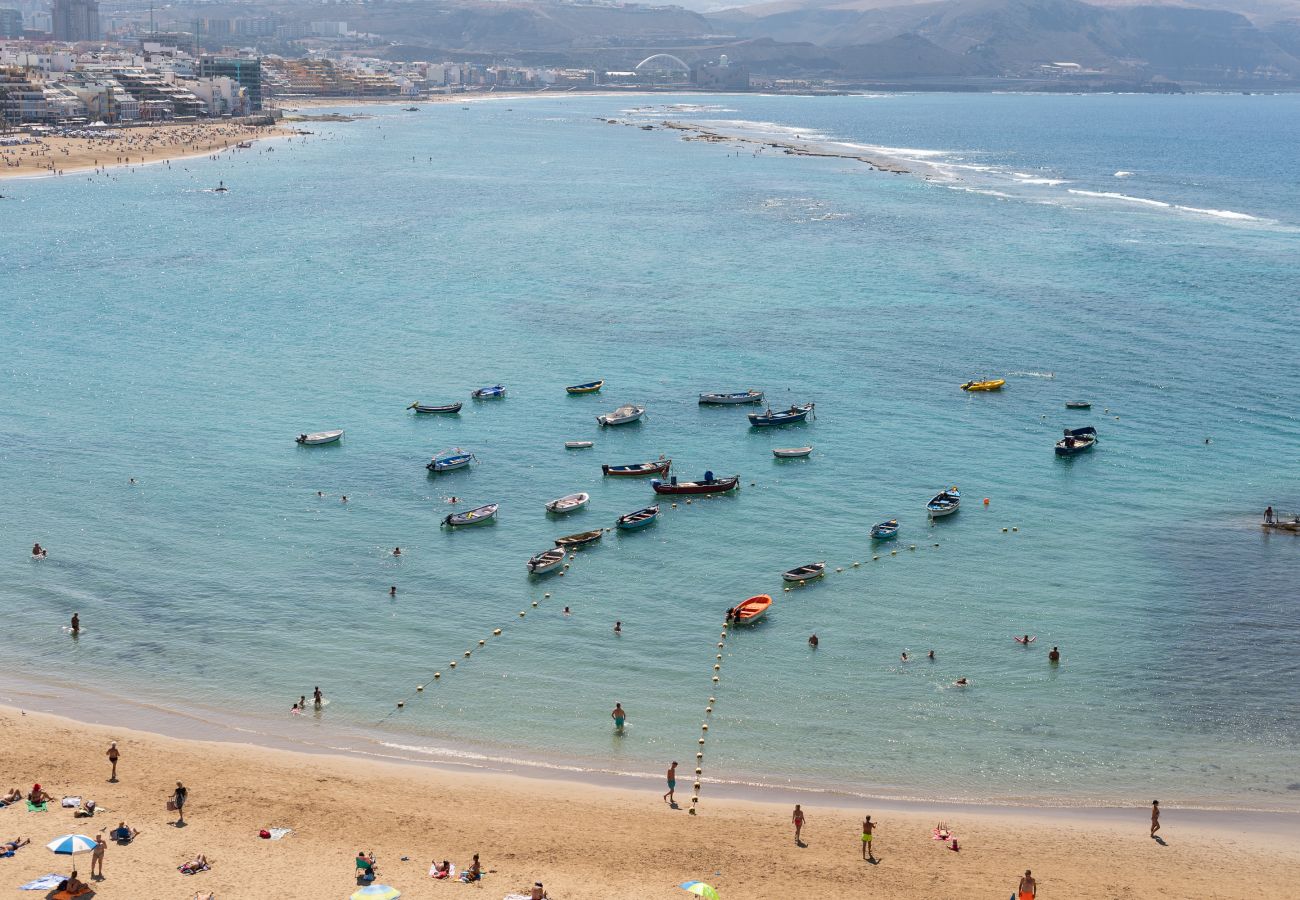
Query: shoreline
column 580, row 840
column 145, row 146
column 353, row 743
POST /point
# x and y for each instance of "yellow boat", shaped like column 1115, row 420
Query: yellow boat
column 994, row 385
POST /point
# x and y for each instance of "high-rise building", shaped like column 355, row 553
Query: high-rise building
column 248, row 72
column 76, row 20
column 11, row 23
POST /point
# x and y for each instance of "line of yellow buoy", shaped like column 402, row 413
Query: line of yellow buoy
column 704, row 726
column 482, row 642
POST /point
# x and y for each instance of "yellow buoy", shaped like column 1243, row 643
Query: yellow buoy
column 839, row 568
column 545, row 595
column 1015, row 527
column 711, row 700
column 697, row 785
column 874, row 558
column 893, row 552
column 699, row 756
column 912, row 547
column 521, row 613
column 699, row 771
column 1004, row 531
column 561, row 574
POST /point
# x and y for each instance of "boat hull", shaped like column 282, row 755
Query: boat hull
column 546, row 562
column 571, row 503
column 590, row 387
column 479, row 516
column 717, row 486
column 638, row 470
column 639, row 519
column 579, row 445
column 753, row 609
column 624, row 415
column 945, row 503
column 991, row 385
column 732, row 399
column 489, row 393
column 885, row 531
column 791, row 452
column 319, row 439
column 449, row 409
column 792, row 416
column 582, row 539
column 1080, row 446
column 805, row 573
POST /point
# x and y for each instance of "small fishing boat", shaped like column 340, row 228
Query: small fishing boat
column 1078, row 404
column 994, row 384
column 708, row 485
column 624, row 415
column 751, row 610
column 639, row 519
column 494, row 392
column 546, row 561
column 568, row 503
column 750, row 396
column 944, row 503
column 1076, row 440
column 791, row 452
column 221, row 188
column 317, row 438
column 582, row 539
column 658, row 467
column 426, row 408
column 804, row 573
column 578, row 445
column 590, row 387
column 447, row 460
column 884, row 531
column 789, row 416
column 476, row 516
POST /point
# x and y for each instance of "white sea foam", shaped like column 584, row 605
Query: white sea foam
column 1111, row 195
column 1122, row 174
column 1222, row 214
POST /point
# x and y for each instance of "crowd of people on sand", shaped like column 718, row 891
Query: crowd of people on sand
column 110, row 147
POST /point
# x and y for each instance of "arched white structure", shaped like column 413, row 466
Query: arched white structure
column 666, row 57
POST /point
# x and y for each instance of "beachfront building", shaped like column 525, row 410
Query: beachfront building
column 160, row 97
column 246, row 71
column 76, row 20
column 19, row 97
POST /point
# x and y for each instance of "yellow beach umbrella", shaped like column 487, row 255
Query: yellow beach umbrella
column 377, row 892
column 700, row 888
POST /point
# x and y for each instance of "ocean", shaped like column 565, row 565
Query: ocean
column 1135, row 251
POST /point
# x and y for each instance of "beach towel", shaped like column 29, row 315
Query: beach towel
column 70, row 802
column 277, row 833
column 44, row 883
column 32, row 807
column 516, row 897
column 68, row 895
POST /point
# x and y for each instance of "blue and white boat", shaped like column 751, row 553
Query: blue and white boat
column 884, row 531
column 1076, row 440
column 944, row 503
column 428, row 408
column 791, row 416
column 639, row 519
column 494, row 392
column 477, row 516
column 455, row 458
column 721, row 399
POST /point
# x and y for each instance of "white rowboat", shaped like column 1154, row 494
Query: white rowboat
column 623, row 415
column 578, row 445
column 791, row 452
column 319, row 437
column 568, row 503
column 546, row 561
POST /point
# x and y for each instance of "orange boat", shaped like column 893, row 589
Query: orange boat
column 752, row 609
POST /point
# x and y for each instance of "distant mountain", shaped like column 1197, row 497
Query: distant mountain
column 1020, row 37
column 1259, row 11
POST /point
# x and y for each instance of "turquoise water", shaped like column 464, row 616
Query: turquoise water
column 157, row 331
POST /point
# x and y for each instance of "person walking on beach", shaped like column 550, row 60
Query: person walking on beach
column 1155, row 817
column 797, row 818
column 97, row 857
column 1028, row 888
column 868, row 827
column 619, row 717
column 179, row 797
column 112, row 760
column 672, row 783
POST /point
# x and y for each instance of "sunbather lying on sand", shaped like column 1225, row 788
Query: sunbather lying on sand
column 13, row 796
column 8, row 847
column 197, row 864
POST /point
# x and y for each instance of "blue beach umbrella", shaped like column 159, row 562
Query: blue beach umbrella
column 700, row 888
column 376, row 892
column 72, row 843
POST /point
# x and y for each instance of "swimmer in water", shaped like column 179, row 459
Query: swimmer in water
column 618, row 628
column 961, row 682
column 930, row 656
column 453, row 499
column 1025, row 640
column 318, row 698
column 344, row 498
column 320, row 493
column 296, row 709
column 813, row 642
column 39, row 552
column 1054, row 655
column 131, row 481
column 904, row 657
column 566, row 611
column 76, row 623
column 397, row 551
column 392, row 591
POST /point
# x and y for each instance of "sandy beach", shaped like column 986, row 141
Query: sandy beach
column 581, row 841
column 56, row 155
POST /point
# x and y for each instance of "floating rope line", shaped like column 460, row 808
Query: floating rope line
column 482, row 642
column 704, row 726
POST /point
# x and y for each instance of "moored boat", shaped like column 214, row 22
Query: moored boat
column 639, row 519
column 658, row 467
column 884, row 531
column 590, row 387
column 476, row 516
column 579, row 445
column 428, row 408
column 493, row 392
column 319, row 437
column 789, row 416
column 944, row 503
column 1076, row 440
column 568, row 503
column 720, row 399
column 1078, row 404
column 993, row 384
column 447, row 460
column 581, row 539
column 791, row 452
column 546, row 561
column 751, row 610
column 803, row 573
column 707, row 485
column 624, row 415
